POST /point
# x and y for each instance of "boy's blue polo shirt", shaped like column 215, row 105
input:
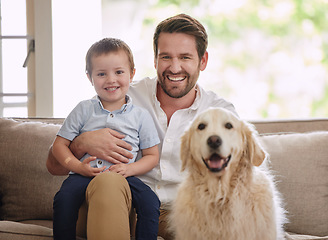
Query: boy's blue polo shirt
column 132, row 121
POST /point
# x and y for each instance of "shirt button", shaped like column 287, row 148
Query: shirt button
column 158, row 187
column 111, row 115
column 99, row 162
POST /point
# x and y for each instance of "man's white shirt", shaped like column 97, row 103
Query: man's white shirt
column 165, row 178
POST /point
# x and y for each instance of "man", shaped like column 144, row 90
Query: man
column 173, row 99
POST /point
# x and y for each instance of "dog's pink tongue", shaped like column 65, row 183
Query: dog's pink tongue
column 215, row 161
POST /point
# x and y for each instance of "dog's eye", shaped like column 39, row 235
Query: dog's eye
column 201, row 126
column 228, row 125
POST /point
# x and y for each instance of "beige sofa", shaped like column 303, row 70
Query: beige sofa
column 298, row 150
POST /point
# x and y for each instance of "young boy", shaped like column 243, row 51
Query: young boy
column 110, row 69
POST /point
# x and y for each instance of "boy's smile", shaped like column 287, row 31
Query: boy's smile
column 111, row 89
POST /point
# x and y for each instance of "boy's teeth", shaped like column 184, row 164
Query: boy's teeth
column 111, row 89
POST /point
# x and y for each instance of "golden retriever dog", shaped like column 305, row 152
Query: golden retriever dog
column 225, row 195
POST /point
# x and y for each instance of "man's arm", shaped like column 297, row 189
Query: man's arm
column 53, row 166
column 105, row 143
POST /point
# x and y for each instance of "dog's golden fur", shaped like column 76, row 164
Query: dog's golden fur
column 225, row 196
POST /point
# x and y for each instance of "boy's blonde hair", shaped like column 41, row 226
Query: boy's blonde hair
column 105, row 46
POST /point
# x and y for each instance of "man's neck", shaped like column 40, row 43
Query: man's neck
column 171, row 105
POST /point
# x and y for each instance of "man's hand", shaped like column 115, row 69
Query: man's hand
column 105, row 143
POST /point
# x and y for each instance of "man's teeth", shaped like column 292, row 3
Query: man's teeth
column 176, row 78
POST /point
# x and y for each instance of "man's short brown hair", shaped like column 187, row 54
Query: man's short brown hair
column 183, row 23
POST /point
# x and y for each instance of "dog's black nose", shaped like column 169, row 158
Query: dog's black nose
column 214, row 141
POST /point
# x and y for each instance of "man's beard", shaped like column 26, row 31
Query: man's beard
column 170, row 91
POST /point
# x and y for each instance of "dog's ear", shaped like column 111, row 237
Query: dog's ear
column 254, row 151
column 185, row 155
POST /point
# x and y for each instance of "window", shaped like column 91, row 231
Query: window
column 13, row 50
column 26, row 91
column 54, row 80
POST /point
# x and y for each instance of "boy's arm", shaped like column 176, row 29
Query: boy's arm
column 65, row 157
column 149, row 160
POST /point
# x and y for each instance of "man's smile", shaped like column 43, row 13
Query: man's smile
column 176, row 78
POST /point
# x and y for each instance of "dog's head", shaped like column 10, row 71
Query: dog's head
column 216, row 139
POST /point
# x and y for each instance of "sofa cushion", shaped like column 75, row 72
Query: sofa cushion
column 16, row 230
column 26, row 231
column 26, row 187
column 292, row 236
column 300, row 162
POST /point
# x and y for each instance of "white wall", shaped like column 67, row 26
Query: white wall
column 76, row 26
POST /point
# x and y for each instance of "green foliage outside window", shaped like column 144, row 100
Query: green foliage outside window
column 268, row 57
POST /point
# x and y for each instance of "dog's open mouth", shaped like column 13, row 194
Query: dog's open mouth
column 216, row 163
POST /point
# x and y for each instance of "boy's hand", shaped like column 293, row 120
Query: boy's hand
column 121, row 168
column 86, row 170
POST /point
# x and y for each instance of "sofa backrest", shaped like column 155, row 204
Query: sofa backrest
column 262, row 126
column 26, row 187
column 291, row 125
